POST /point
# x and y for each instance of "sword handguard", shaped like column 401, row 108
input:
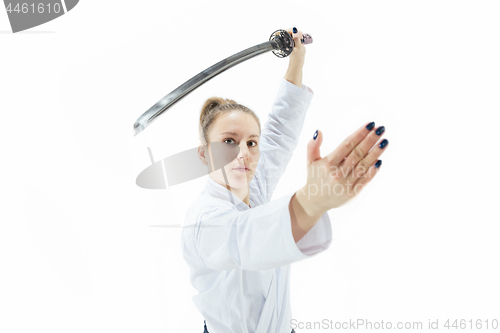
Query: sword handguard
column 286, row 43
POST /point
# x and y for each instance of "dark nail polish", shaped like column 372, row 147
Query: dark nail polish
column 370, row 126
column 383, row 143
column 294, row 30
column 315, row 135
column 379, row 162
column 380, row 130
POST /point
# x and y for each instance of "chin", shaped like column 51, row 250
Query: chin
column 239, row 180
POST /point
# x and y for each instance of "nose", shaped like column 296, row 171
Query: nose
column 244, row 151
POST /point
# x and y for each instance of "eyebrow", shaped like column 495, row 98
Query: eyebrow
column 235, row 134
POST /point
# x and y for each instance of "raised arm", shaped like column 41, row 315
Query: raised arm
column 296, row 61
column 280, row 133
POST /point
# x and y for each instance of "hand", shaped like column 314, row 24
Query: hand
column 294, row 72
column 299, row 51
column 338, row 177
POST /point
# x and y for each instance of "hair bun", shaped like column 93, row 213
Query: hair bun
column 209, row 105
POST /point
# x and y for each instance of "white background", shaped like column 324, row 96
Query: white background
column 80, row 246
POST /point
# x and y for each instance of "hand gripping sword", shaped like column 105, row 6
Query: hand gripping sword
column 280, row 43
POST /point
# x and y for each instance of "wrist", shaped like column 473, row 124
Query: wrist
column 294, row 75
column 308, row 204
column 296, row 64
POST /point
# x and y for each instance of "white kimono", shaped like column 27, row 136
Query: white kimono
column 239, row 257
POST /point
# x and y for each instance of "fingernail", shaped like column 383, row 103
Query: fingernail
column 380, row 130
column 379, row 162
column 370, row 126
column 294, row 30
column 383, row 143
column 315, row 135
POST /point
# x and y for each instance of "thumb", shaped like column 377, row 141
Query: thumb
column 313, row 148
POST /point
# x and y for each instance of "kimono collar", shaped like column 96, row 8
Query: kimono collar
column 218, row 191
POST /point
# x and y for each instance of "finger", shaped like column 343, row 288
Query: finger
column 297, row 36
column 360, row 151
column 313, row 146
column 345, row 148
column 363, row 166
column 360, row 184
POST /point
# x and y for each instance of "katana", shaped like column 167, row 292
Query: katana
column 280, row 43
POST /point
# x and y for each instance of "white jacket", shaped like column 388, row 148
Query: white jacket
column 239, row 257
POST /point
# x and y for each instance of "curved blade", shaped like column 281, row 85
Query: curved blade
column 163, row 104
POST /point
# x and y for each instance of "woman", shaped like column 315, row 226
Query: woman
column 240, row 246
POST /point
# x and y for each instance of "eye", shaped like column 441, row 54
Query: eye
column 229, row 139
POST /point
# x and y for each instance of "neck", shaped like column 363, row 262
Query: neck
column 242, row 193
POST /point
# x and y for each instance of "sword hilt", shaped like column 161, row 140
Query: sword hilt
column 285, row 43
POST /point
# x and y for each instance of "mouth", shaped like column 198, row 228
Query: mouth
column 242, row 169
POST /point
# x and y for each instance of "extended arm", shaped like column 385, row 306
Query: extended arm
column 255, row 239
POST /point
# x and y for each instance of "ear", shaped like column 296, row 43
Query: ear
column 202, row 151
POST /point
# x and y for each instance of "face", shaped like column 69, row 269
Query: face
column 237, row 128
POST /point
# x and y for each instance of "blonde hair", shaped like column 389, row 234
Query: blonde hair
column 212, row 108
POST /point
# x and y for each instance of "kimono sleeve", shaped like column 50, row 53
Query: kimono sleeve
column 280, row 133
column 255, row 239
